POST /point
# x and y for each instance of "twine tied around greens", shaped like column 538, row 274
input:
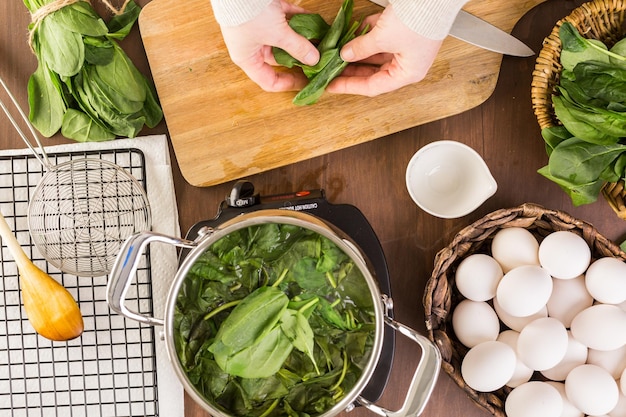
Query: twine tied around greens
column 56, row 5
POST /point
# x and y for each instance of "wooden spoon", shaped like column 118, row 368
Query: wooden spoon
column 50, row 308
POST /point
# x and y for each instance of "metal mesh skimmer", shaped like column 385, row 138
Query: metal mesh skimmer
column 82, row 210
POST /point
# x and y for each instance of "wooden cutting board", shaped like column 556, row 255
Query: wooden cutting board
column 224, row 127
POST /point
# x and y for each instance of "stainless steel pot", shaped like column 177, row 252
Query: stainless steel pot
column 125, row 268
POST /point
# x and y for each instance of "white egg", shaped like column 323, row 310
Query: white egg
column 569, row 297
column 568, row 408
column 513, row 247
column 605, row 280
column 592, row 390
column 525, row 290
column 475, row 322
column 620, row 408
column 488, row 366
column 575, row 355
column 477, row 277
column 601, row 327
column 613, row 361
column 534, row 399
column 542, row 344
column 514, row 322
column 622, row 382
column 522, row 372
column 564, row 254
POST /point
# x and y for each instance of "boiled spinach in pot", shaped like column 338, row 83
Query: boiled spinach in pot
column 589, row 149
column 274, row 320
column 85, row 85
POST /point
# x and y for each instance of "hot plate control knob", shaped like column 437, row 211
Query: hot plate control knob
column 242, row 195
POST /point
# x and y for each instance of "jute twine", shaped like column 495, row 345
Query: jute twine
column 41, row 13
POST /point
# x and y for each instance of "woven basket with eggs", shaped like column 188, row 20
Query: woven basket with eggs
column 442, row 294
column 599, row 19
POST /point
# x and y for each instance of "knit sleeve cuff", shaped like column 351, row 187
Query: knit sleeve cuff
column 237, row 12
column 430, row 18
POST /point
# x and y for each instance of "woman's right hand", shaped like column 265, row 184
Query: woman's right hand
column 393, row 56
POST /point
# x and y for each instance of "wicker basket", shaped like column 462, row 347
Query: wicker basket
column 598, row 19
column 441, row 295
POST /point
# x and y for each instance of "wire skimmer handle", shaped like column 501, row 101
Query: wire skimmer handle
column 41, row 156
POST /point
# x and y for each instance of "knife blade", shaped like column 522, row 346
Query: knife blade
column 476, row 31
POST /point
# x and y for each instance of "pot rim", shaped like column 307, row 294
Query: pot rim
column 304, row 220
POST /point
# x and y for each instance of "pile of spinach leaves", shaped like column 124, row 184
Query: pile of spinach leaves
column 589, row 148
column 85, row 85
column 274, row 320
column 331, row 39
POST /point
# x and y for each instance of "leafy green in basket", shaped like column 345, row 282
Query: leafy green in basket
column 589, row 148
column 85, row 85
column 274, row 320
column 331, row 39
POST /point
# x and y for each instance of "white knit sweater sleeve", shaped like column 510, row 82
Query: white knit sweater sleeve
column 236, row 12
column 430, row 18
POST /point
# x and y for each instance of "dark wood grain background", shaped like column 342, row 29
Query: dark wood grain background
column 371, row 176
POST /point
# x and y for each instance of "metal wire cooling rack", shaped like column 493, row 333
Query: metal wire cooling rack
column 108, row 371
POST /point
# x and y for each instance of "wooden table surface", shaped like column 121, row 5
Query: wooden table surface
column 371, row 176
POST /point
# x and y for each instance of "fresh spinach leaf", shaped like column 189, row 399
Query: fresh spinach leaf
column 569, row 58
column 310, row 25
column 581, row 162
column 591, row 124
column 602, row 81
column 331, row 39
column 313, row 91
column 338, row 27
column 573, row 41
column 45, row 101
column 553, row 136
column 63, row 50
column 580, row 194
column 81, row 19
column 82, row 128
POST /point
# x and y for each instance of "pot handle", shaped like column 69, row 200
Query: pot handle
column 125, row 268
column 424, row 379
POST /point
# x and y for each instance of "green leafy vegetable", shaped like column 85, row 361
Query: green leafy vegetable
column 331, row 39
column 589, row 149
column 85, row 85
column 274, row 320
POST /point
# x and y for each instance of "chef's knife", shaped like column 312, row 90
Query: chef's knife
column 476, row 31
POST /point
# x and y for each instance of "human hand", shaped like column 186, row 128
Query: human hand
column 397, row 56
column 250, row 47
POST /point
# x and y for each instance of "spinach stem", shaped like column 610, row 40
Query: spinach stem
column 607, row 52
column 280, row 278
column 343, row 371
column 221, row 308
column 331, row 279
column 309, row 304
column 270, row 408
